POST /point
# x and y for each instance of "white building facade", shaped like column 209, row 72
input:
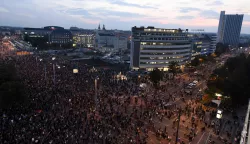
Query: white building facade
column 110, row 41
column 213, row 43
column 156, row 48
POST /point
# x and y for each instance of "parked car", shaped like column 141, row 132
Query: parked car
column 195, row 81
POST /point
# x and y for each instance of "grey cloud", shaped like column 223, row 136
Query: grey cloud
column 188, row 9
column 78, row 11
column 122, row 14
column 134, row 5
column 217, row 3
column 210, row 14
column 185, row 17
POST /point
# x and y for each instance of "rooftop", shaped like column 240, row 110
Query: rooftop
column 106, row 34
column 152, row 29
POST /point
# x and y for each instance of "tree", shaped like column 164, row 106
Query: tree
column 155, row 76
column 220, row 48
column 233, row 79
column 11, row 89
column 174, row 67
column 12, row 92
column 195, row 61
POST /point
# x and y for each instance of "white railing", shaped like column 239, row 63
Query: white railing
column 164, row 55
column 245, row 139
column 166, row 46
column 165, row 51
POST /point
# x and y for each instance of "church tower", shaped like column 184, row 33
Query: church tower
column 99, row 27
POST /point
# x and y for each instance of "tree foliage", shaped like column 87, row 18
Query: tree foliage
column 11, row 89
column 155, row 76
column 221, row 48
column 233, row 79
column 202, row 58
column 174, row 67
column 195, row 61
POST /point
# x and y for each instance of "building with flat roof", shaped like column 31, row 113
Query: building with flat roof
column 201, row 44
column 229, row 28
column 110, row 40
column 49, row 36
column 156, row 47
column 213, row 43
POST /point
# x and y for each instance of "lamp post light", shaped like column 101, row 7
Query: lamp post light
column 36, row 62
column 54, row 71
column 178, row 125
column 96, row 80
column 45, row 75
column 45, row 72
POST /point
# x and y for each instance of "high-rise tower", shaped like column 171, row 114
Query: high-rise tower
column 229, row 28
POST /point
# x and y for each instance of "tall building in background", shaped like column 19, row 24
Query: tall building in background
column 229, row 28
column 156, row 48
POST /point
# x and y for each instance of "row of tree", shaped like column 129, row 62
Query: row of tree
column 11, row 88
column 201, row 59
column 232, row 79
column 221, row 48
column 156, row 75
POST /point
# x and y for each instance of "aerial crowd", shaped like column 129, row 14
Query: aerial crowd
column 93, row 106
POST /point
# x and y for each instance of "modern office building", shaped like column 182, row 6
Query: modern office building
column 60, row 36
column 200, row 44
column 229, row 28
column 49, row 36
column 156, row 48
column 213, row 38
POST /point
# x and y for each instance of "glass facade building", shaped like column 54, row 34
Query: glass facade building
column 229, row 28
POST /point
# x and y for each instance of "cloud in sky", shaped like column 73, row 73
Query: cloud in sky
column 188, row 9
column 120, row 14
column 217, row 2
column 3, row 10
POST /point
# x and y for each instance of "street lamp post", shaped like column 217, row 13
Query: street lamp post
column 177, row 131
column 45, row 75
column 54, row 71
column 96, row 80
column 45, row 72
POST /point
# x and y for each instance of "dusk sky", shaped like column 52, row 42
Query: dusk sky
column 122, row 14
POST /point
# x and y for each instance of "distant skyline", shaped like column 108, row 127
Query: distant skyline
column 122, row 14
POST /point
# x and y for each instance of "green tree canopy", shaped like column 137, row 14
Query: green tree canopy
column 233, row 79
column 155, row 76
column 221, row 48
column 195, row 61
column 174, row 67
column 11, row 89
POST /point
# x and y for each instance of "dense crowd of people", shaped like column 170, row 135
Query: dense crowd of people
column 92, row 106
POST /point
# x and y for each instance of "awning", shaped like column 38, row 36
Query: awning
column 217, row 102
